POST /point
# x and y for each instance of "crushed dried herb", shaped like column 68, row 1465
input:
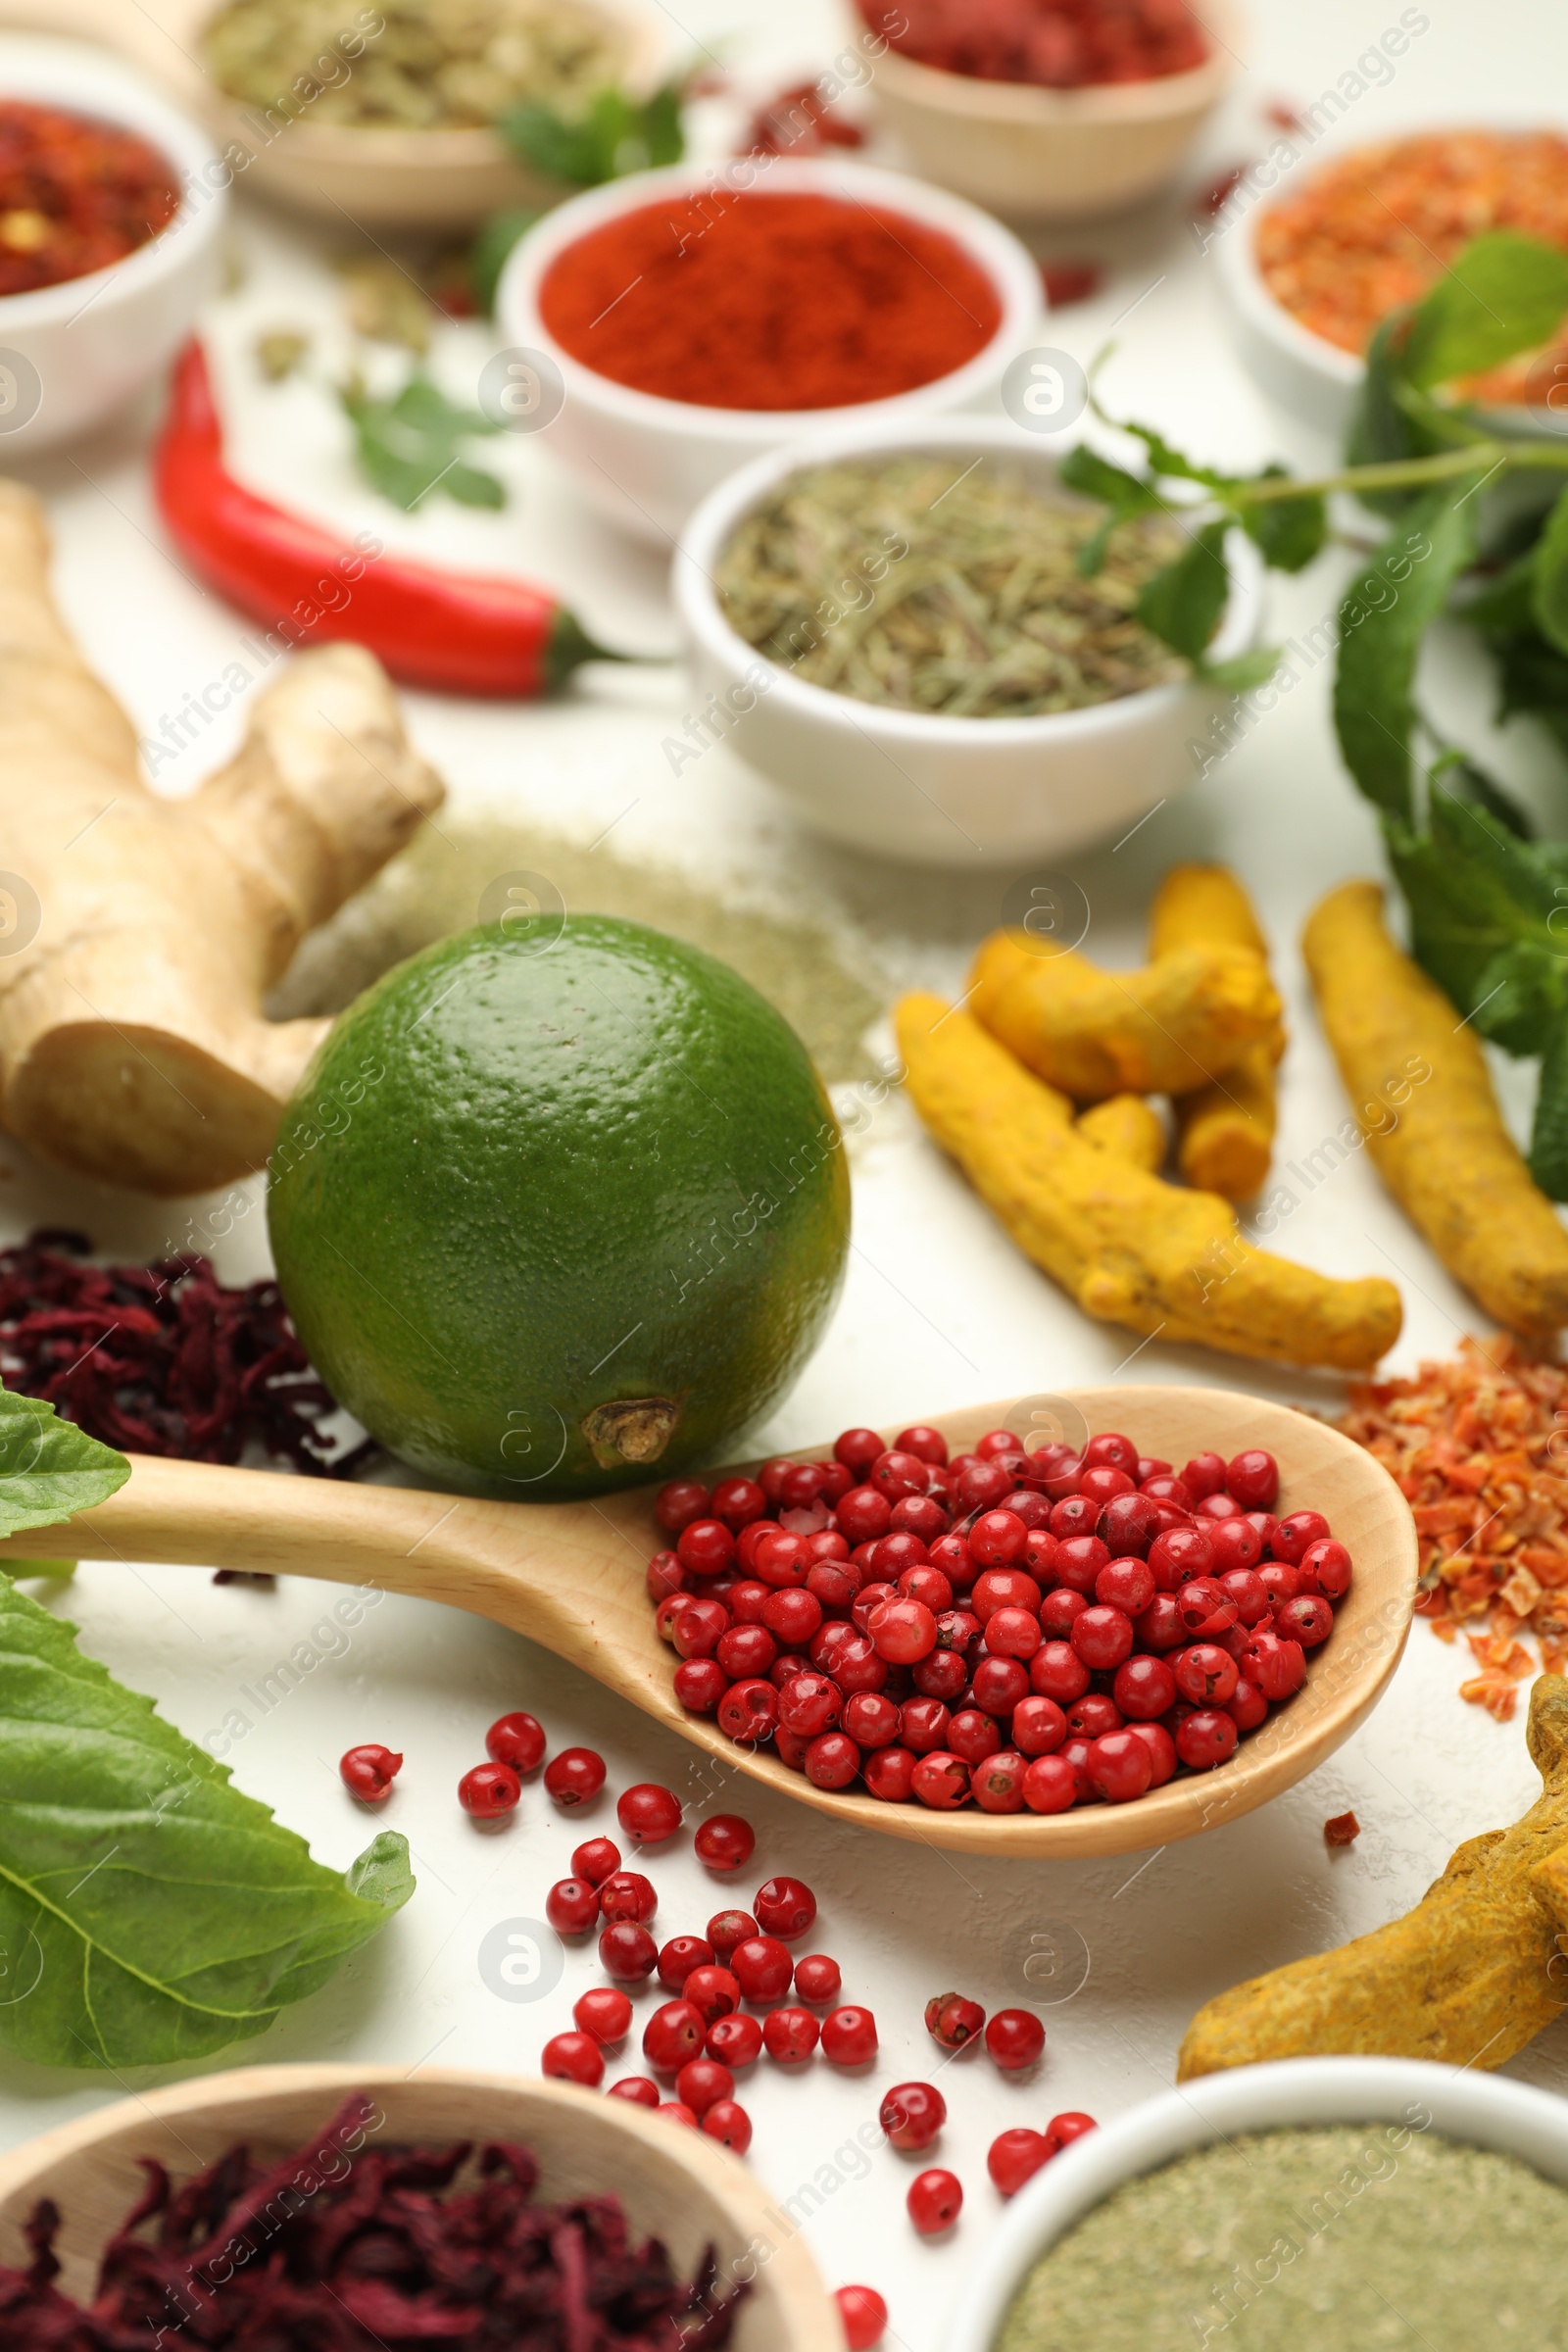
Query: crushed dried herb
column 354, row 2253
column 162, row 1358
column 917, row 584
column 1478, row 1445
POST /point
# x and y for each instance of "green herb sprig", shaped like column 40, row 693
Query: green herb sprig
column 409, row 445
column 1488, row 904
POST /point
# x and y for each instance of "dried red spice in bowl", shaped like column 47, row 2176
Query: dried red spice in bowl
column 354, row 2254
column 1056, row 44
column 163, row 1359
column 765, row 302
column 75, row 195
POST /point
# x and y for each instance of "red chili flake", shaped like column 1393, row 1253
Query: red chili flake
column 1342, row 1830
column 349, row 2253
column 1214, row 199
column 1284, row 116
column 1070, row 281
column 162, row 1359
column 1058, row 44
column 75, row 195
column 800, row 121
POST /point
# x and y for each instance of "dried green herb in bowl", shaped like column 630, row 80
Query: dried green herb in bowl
column 906, row 583
column 431, row 65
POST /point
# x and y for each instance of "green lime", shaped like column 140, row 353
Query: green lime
column 559, row 1207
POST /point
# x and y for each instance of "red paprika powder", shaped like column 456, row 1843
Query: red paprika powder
column 757, row 300
column 75, row 195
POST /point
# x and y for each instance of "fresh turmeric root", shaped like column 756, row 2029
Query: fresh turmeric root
column 1224, row 1130
column 1422, row 1095
column 1467, row 1978
column 1129, row 1127
column 132, row 1043
column 1130, row 1250
column 1166, row 1030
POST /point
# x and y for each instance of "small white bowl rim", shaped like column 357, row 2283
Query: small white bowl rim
column 1110, row 102
column 72, row 75
column 1007, row 262
column 1279, row 2096
column 697, row 601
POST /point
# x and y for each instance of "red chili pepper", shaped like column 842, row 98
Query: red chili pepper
column 455, row 632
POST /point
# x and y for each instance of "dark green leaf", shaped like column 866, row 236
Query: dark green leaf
column 1183, row 602
column 1549, row 601
column 663, row 129
column 1094, row 476
column 1168, row 462
column 1289, row 531
column 1459, row 775
column 1504, row 294
column 1488, row 918
column 1381, row 433
column 1548, row 1141
column 1506, row 603
column 49, row 1468
column 1532, row 679
column 149, row 1911
column 381, row 1875
column 614, row 137
column 1385, row 615
column 407, row 446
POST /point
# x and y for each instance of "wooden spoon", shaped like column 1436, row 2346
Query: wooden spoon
column 674, row 2184
column 570, row 1576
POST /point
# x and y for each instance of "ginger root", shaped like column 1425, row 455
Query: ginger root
column 1224, row 1130
column 1130, row 1250
column 132, row 1043
column 1129, row 1127
column 1172, row 1027
column 1467, row 1978
column 1422, row 1096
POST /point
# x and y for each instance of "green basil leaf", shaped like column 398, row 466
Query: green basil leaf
column 1548, row 1139
column 1549, row 595
column 1163, row 459
column 1083, row 470
column 1289, row 531
column 1459, row 775
column 1244, row 672
column 491, row 249
column 1504, row 294
column 1183, row 602
column 1532, row 682
column 1382, row 620
column 49, row 1468
column 149, row 1911
column 1508, row 603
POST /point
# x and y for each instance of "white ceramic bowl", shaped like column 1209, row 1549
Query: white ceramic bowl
column 936, row 791
column 645, row 461
column 1036, row 154
column 1484, row 2110
column 72, row 355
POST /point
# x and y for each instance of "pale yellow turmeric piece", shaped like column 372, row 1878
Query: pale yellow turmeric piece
column 1130, row 1250
column 1467, row 1978
column 1162, row 1030
column 1225, row 1130
column 1129, row 1127
column 1422, row 1096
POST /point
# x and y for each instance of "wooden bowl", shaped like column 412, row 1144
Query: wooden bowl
column 1034, row 154
column 674, row 2184
column 374, row 177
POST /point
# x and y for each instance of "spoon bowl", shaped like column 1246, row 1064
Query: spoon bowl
column 570, row 1577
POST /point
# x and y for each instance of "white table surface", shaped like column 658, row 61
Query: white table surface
column 939, row 1310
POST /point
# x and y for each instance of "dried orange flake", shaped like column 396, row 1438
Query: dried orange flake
column 1479, row 1447
column 1374, row 230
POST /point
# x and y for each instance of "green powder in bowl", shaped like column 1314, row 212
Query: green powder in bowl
column 1374, row 2238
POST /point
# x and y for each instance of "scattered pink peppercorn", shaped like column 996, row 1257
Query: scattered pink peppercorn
column 952, row 2020
column 680, row 1958
column 641, row 2089
column 715, row 1991
column 848, row 2036
column 725, row 1842
column 516, row 1740
column 674, row 2033
column 701, row 2082
column 817, row 1979
column 595, row 1860
column 489, row 1791
column 1014, row 2039
column 935, row 2200
column 649, row 1814
column 604, row 2013
column 729, row 2124
column 762, row 1968
column 573, row 2058
column 728, row 1929
column 575, row 1777
column 913, row 2114
column 627, row 1894
column 627, row 1952
column 1015, row 2156
column 572, row 1906
column 863, row 2316
column 368, row 1771
column 734, row 2040
column 784, row 1907
column 790, row 2035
